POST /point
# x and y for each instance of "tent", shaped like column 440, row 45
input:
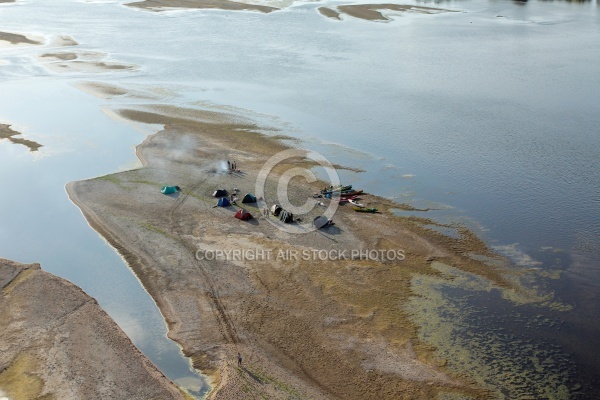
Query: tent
column 249, row 198
column 220, row 193
column 286, row 217
column 223, row 202
column 243, row 215
column 169, row 189
column 321, row 222
column 276, row 209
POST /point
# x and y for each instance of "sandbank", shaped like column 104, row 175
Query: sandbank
column 17, row 39
column 7, row 133
column 304, row 327
column 89, row 66
column 373, row 12
column 63, row 56
column 57, row 343
column 329, row 13
column 161, row 5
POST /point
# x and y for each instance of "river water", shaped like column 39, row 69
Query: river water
column 489, row 114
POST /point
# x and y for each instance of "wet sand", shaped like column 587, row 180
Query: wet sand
column 57, row 343
column 59, row 56
column 161, row 5
column 303, row 327
column 16, row 39
column 329, row 13
column 374, row 12
column 82, row 61
column 7, row 133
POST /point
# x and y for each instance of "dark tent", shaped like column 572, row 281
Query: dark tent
column 169, row 189
column 243, row 215
column 223, row 202
column 220, row 193
column 276, row 209
column 321, row 222
column 249, row 198
column 286, row 217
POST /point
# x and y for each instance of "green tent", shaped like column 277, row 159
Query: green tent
column 249, row 198
column 168, row 189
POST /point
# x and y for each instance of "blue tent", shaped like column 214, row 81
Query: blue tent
column 223, row 202
column 168, row 189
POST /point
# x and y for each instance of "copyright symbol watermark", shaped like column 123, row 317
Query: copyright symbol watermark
column 285, row 189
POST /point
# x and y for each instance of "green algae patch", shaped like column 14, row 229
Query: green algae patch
column 482, row 342
column 18, row 381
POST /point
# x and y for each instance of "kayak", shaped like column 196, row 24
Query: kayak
column 365, row 210
column 355, row 203
column 351, row 193
column 347, row 199
column 340, row 188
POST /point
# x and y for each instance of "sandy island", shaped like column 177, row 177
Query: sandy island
column 374, row 12
column 7, row 133
column 57, row 343
column 161, row 5
column 307, row 329
column 81, row 61
column 17, row 39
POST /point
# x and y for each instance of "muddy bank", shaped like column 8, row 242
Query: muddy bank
column 303, row 326
column 57, row 343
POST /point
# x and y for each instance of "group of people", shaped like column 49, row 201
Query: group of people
column 232, row 165
column 266, row 212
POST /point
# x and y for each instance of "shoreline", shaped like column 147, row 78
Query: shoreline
column 58, row 342
column 213, row 356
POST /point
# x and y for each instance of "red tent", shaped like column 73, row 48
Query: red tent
column 243, row 215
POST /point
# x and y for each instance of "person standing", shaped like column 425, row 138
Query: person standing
column 239, row 359
column 228, row 165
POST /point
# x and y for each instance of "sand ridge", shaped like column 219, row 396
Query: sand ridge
column 375, row 12
column 303, row 326
column 161, row 5
column 7, row 133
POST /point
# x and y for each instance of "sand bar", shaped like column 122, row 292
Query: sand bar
column 63, row 56
column 329, row 13
column 373, row 12
column 57, row 343
column 15, row 38
column 160, row 5
column 304, row 327
column 7, row 133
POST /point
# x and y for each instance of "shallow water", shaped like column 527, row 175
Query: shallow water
column 490, row 114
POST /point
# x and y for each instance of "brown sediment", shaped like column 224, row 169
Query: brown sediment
column 107, row 90
column 329, row 13
column 160, row 5
column 7, row 133
column 303, row 326
column 57, row 343
column 372, row 12
column 15, row 38
column 60, row 56
column 88, row 66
